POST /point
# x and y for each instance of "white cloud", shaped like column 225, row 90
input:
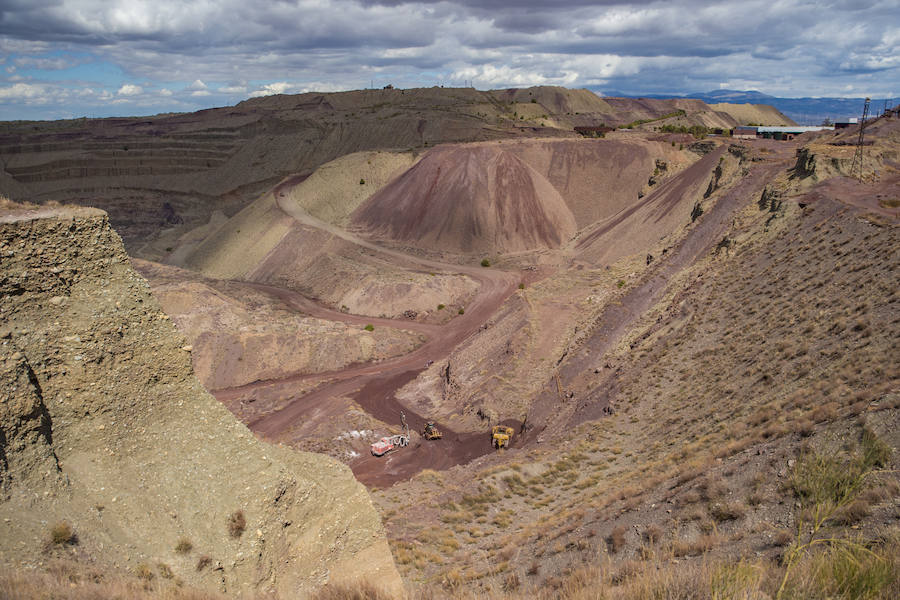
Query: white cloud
column 21, row 91
column 44, row 64
column 233, row 89
column 279, row 87
column 506, row 76
column 207, row 51
column 130, row 90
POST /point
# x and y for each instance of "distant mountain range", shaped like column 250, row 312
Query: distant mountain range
column 805, row 111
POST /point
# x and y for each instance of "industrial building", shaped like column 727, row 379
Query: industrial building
column 776, row 133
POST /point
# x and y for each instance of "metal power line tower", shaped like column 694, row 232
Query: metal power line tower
column 858, row 157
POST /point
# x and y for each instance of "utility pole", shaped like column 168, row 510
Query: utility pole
column 858, row 157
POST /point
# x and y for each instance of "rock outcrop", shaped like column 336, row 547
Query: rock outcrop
column 103, row 425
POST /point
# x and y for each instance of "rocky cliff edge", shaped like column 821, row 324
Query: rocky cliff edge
column 104, row 427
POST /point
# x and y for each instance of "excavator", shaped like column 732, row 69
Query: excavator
column 431, row 432
column 500, row 436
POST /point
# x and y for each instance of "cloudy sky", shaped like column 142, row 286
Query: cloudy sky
column 71, row 58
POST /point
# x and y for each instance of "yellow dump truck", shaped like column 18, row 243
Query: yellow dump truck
column 431, row 432
column 500, row 436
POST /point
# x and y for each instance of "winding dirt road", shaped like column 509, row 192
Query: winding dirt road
column 373, row 386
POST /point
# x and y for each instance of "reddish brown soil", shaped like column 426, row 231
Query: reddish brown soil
column 882, row 198
column 470, row 198
column 372, row 386
column 577, row 373
column 664, row 198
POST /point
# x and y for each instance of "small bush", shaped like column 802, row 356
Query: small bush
column 369, row 327
column 62, row 533
column 441, row 307
column 876, row 453
column 143, row 571
column 620, row 283
column 511, row 582
column 485, row 262
column 165, row 571
column 521, row 286
column 616, row 539
column 782, row 537
column 696, row 212
column 362, row 182
column 653, row 533
column 462, row 311
column 699, row 546
column 203, row 562
column 852, row 513
column 237, row 524
column 184, row 546
column 727, row 511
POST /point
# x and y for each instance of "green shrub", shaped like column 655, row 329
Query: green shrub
column 362, row 182
column 369, row 327
column 441, row 307
column 521, row 286
column 462, row 311
column 485, row 262
column 621, row 283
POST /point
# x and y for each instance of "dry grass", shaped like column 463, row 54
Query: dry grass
column 727, row 511
column 73, row 582
column 873, row 575
column 696, row 546
column 351, row 591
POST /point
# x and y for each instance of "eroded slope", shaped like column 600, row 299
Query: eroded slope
column 106, row 428
column 469, row 199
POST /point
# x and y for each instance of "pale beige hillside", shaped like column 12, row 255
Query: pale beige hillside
column 336, row 188
column 242, row 242
column 241, row 334
column 114, row 456
column 760, row 114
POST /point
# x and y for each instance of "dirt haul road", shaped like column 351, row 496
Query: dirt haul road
column 372, row 386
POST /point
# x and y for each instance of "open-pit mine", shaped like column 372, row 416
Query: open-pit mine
column 526, row 343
